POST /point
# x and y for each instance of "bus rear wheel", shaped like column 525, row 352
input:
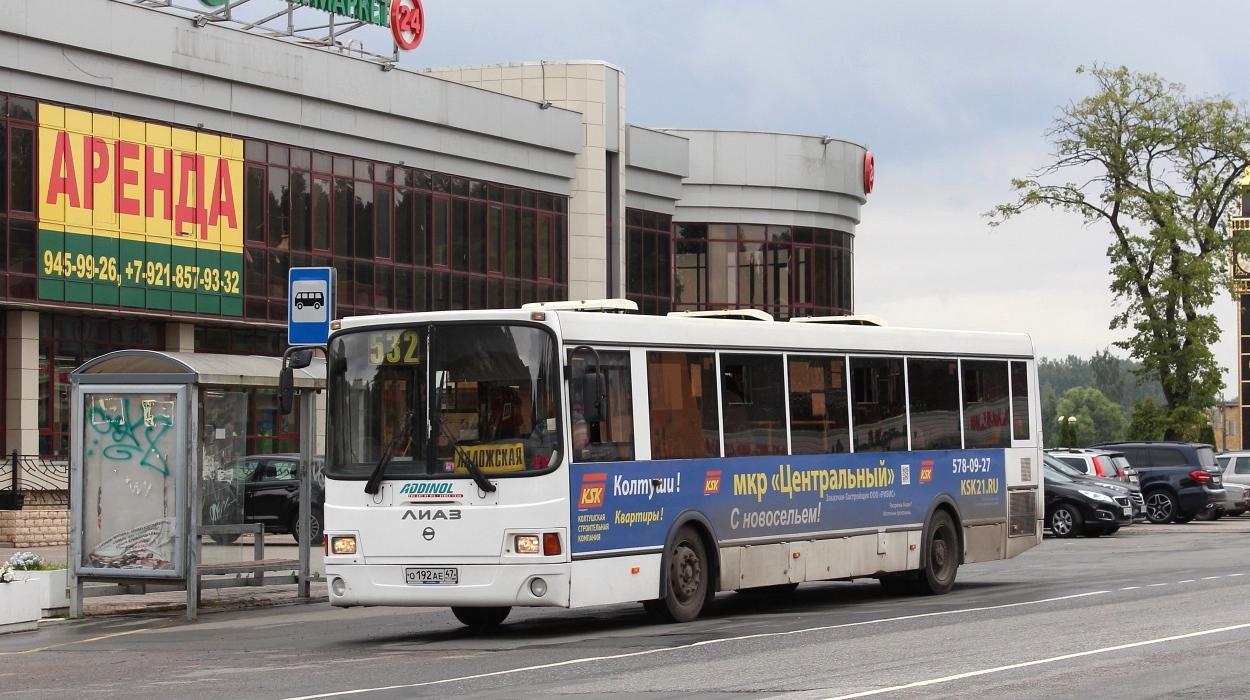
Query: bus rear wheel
column 941, row 557
column 687, row 583
column 481, row 617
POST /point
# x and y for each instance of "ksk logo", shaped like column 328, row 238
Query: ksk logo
column 926, row 471
column 593, row 487
column 711, row 482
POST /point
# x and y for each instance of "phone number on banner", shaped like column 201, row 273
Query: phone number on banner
column 104, row 268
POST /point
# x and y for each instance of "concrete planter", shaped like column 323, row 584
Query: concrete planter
column 19, row 606
column 53, row 590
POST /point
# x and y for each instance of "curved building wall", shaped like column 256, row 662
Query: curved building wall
column 767, row 221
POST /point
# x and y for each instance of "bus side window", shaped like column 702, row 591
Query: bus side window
column 1020, row 401
column 879, row 413
column 753, row 408
column 681, row 399
column 611, row 438
column 987, row 421
column 819, row 421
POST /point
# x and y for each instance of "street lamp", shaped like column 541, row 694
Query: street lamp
column 1067, row 431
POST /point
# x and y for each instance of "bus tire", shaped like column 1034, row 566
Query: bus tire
column 941, row 564
column 688, row 581
column 481, row 617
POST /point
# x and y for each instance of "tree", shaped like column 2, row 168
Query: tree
column 1159, row 170
column 1098, row 419
column 1149, row 421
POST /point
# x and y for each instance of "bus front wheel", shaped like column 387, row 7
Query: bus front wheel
column 687, row 582
column 481, row 617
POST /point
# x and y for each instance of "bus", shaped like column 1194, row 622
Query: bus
column 554, row 456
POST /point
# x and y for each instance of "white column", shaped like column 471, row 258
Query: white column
column 22, row 382
column 179, row 337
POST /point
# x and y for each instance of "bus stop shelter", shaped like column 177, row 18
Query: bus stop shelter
column 155, row 441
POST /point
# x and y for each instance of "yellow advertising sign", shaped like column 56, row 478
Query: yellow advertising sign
column 507, row 457
column 98, row 171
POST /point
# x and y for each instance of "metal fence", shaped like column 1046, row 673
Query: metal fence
column 25, row 476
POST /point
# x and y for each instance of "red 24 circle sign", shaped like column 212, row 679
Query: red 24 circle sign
column 407, row 23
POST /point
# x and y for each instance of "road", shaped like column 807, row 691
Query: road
column 1153, row 612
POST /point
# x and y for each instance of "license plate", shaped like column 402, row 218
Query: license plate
column 1128, row 512
column 432, row 577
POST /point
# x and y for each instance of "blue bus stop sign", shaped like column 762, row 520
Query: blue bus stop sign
column 310, row 305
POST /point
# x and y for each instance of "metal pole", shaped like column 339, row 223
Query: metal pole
column 307, row 443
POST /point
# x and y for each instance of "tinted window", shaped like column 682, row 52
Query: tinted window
column 1206, row 456
column 1138, row 456
column 753, row 405
column 819, row 422
column 1167, row 457
column 613, row 437
column 1020, row 401
column 682, row 404
column 879, row 419
column 1242, row 466
column 987, row 414
column 1076, row 462
column 933, row 404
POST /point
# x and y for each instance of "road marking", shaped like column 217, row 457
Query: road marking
column 680, row 647
column 1037, row 662
column 84, row 641
column 1188, row 580
column 1157, row 584
column 1209, row 578
column 1130, row 588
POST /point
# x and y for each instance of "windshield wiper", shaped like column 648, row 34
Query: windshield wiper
column 479, row 477
column 375, row 479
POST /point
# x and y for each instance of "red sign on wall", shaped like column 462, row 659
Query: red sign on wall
column 407, row 23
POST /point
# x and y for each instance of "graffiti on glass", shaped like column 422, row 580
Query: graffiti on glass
column 125, row 438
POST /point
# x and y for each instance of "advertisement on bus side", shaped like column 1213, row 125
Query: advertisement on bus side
column 630, row 505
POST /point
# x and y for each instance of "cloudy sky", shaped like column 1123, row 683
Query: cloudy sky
column 952, row 98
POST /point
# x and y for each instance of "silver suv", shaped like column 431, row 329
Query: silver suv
column 1108, row 464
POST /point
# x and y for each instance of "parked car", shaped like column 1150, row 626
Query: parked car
column 267, row 488
column 1078, row 507
column 1179, row 480
column 1107, row 464
column 1236, row 502
column 1235, row 466
column 1132, row 490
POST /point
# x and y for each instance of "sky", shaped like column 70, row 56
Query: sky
column 952, row 98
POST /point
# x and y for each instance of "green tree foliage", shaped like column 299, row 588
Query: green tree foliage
column 1158, row 170
column 1149, row 421
column 1098, row 419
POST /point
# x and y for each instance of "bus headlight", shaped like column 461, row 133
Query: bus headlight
column 338, row 587
column 343, row 545
column 526, row 544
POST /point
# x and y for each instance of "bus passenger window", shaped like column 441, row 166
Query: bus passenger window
column 879, row 415
column 752, row 405
column 987, row 413
column 682, row 403
column 610, row 439
column 819, row 418
column 1020, row 401
column 933, row 402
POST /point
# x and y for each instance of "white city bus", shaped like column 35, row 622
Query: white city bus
column 548, row 457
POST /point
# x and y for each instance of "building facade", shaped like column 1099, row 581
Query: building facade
column 155, row 193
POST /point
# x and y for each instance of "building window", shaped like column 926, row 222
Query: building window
column 402, row 239
column 785, row 270
column 648, row 260
column 65, row 342
column 18, row 194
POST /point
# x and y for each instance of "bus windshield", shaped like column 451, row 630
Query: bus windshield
column 490, row 398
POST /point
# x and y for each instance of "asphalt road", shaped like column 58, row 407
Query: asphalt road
column 1153, row 612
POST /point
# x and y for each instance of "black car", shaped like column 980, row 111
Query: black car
column 263, row 489
column 1179, row 480
column 1079, row 507
column 1130, row 489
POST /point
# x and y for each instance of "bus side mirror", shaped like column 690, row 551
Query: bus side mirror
column 286, row 391
column 594, row 397
column 295, row 359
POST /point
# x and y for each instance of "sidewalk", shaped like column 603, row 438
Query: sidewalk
column 211, row 599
